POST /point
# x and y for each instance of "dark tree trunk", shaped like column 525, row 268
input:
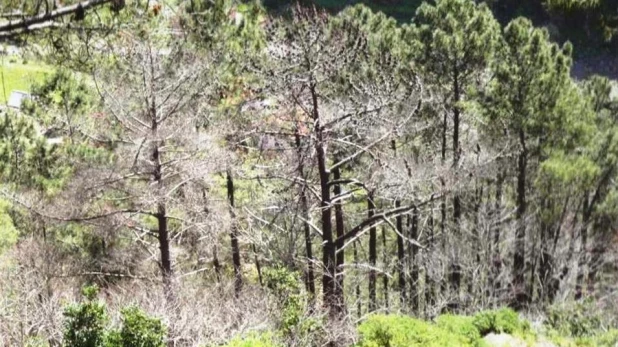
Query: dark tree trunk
column 357, row 291
column 328, row 246
column 401, row 258
column 385, row 261
column 258, row 267
column 216, row 264
column 414, row 283
column 304, row 206
column 581, row 263
column 521, row 298
column 234, row 235
column 430, row 290
column 372, row 254
column 340, row 227
column 161, row 216
column 497, row 258
column 603, row 231
column 456, row 267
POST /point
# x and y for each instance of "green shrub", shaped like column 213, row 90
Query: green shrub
column 139, row 330
column 607, row 339
column 255, row 340
column 460, row 325
column 86, row 326
column 402, row 331
column 578, row 320
column 85, row 322
column 287, row 288
column 504, row 320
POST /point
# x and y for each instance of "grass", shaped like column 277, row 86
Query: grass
column 15, row 75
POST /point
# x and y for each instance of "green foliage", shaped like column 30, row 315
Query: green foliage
column 453, row 41
column 576, row 320
column 85, row 322
column 86, row 325
column 286, row 287
column 254, row 340
column 139, row 330
column 460, row 326
column 403, row 331
column 8, row 233
column 503, row 320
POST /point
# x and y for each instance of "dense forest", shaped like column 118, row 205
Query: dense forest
column 245, row 173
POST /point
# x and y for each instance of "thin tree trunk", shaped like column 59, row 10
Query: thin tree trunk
column 401, row 261
column 216, row 264
column 497, row 258
column 340, row 228
column 385, row 276
column 414, row 283
column 430, row 290
column 520, row 233
column 304, row 206
column 359, row 306
column 328, row 246
column 581, row 263
column 456, row 267
column 161, row 216
column 372, row 254
column 234, row 235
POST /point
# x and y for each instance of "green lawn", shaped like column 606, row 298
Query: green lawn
column 19, row 76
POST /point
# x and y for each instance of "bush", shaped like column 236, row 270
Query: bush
column 85, row 323
column 504, row 320
column 607, row 339
column 461, row 326
column 402, row 331
column 256, row 340
column 139, row 330
column 579, row 320
column 286, row 286
column 86, row 326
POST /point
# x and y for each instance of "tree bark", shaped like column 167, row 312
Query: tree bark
column 234, row 235
column 372, row 254
column 520, row 299
column 414, row 283
column 304, row 206
column 497, row 258
column 384, row 276
column 456, row 267
column 581, row 263
column 340, row 228
column 329, row 262
column 401, row 258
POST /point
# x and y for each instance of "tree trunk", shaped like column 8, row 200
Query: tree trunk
column 340, row 228
column 520, row 299
column 359, row 306
column 304, row 206
column 216, row 264
column 456, row 267
column 582, row 261
column 161, row 216
column 385, row 261
column 328, row 246
column 497, row 258
column 234, row 235
column 372, row 254
column 414, row 283
column 430, row 294
column 401, row 261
